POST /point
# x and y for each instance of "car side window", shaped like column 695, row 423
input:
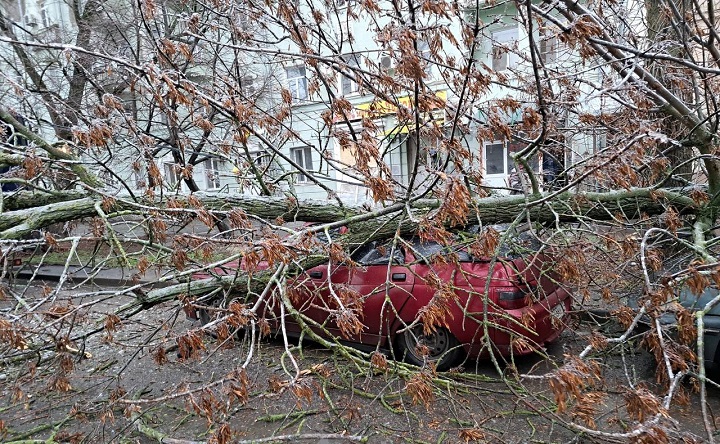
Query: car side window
column 374, row 253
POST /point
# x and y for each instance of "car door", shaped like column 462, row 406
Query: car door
column 375, row 290
column 309, row 294
column 385, row 283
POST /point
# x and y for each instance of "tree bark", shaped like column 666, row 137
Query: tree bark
column 567, row 207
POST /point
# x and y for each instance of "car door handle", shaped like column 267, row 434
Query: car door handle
column 398, row 276
column 316, row 274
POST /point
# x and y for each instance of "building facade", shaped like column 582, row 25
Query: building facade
column 360, row 102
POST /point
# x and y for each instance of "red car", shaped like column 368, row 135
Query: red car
column 429, row 303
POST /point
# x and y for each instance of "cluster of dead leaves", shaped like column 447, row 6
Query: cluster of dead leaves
column 437, row 312
column 420, row 388
column 570, row 384
column 11, row 336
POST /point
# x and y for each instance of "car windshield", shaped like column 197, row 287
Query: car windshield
column 514, row 246
column 374, row 253
column 427, row 251
column 382, row 252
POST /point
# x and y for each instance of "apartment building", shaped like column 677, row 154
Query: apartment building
column 369, row 99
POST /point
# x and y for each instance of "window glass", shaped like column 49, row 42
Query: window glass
column 548, row 48
column 495, row 158
column 396, row 159
column 504, row 43
column 303, row 157
column 172, row 176
column 261, row 159
column 348, row 84
column 374, row 253
column 297, row 82
column 515, row 147
column 212, row 172
column 426, row 56
column 534, row 163
column 427, row 251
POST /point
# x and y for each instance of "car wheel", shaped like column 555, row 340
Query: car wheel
column 442, row 347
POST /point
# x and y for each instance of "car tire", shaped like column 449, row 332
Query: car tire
column 444, row 348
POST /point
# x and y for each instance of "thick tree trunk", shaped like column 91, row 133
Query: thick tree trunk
column 564, row 208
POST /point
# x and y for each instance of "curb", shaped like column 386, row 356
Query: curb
column 114, row 277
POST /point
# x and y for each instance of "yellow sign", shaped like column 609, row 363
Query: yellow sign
column 379, row 108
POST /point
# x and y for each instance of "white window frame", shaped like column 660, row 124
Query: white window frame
column 503, row 53
column 426, row 56
column 297, row 82
column 303, row 157
column 548, row 47
column 45, row 18
column 396, row 158
column 505, row 154
column 353, row 87
column 508, row 163
column 213, row 167
column 171, row 176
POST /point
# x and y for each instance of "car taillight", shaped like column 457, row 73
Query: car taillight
column 511, row 297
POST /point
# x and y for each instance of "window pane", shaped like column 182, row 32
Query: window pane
column 296, row 81
column 303, row 158
column 429, row 251
column 348, row 83
column 499, row 61
column 396, row 159
column 515, row 147
column 212, row 172
column 375, row 254
column 426, row 56
column 535, row 163
column 308, row 158
column 504, row 43
column 495, row 158
column 302, row 88
column 548, row 48
column 170, row 174
column 295, row 71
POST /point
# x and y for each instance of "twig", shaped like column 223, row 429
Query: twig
column 292, row 415
column 307, row 437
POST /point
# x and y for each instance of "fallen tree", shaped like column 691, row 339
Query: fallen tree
column 27, row 211
column 607, row 115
